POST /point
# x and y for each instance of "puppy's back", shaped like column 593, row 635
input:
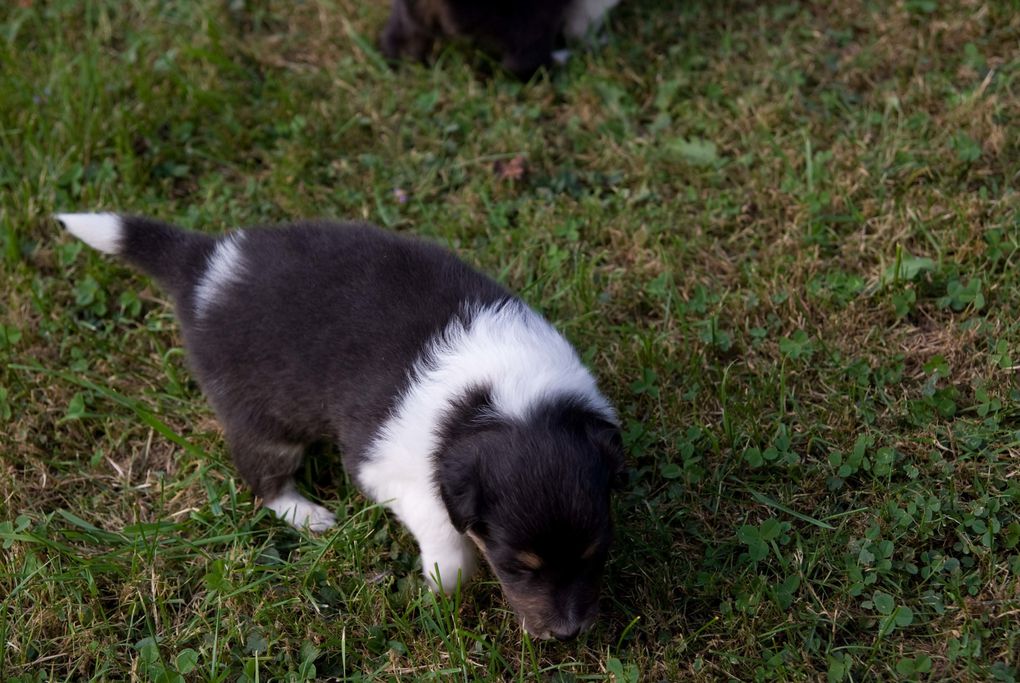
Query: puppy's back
column 306, row 330
column 315, row 326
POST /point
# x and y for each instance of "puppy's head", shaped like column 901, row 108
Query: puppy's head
column 534, row 496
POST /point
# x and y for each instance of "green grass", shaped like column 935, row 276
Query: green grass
column 784, row 235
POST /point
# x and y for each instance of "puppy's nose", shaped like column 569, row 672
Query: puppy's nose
column 568, row 633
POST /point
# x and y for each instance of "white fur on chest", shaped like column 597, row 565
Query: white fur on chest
column 508, row 348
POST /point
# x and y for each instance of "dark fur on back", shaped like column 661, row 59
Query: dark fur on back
column 319, row 345
column 523, row 33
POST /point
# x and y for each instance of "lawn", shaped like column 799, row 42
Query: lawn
column 784, row 235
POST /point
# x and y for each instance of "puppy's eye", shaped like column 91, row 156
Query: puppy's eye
column 528, row 561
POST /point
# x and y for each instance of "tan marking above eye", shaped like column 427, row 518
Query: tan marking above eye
column 529, row 560
column 590, row 551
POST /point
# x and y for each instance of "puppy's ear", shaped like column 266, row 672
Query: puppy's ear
column 606, row 437
column 458, row 458
column 460, row 488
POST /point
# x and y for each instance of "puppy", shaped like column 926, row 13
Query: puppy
column 523, row 33
column 454, row 403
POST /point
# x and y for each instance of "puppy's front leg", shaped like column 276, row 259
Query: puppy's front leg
column 446, row 554
column 447, row 559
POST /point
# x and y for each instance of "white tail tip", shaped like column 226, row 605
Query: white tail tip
column 102, row 231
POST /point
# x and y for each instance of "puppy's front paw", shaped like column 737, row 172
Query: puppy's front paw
column 300, row 513
column 443, row 568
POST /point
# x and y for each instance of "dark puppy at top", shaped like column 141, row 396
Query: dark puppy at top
column 523, row 33
column 455, row 404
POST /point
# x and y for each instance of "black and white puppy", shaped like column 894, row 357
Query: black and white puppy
column 523, row 33
column 454, row 403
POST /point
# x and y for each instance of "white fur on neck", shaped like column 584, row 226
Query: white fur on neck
column 226, row 265
column 523, row 360
column 582, row 15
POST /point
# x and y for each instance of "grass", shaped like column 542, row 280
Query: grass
column 785, row 235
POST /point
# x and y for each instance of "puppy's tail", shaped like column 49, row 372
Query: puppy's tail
column 171, row 255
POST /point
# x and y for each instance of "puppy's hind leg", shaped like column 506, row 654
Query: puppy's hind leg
column 298, row 511
column 268, row 467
